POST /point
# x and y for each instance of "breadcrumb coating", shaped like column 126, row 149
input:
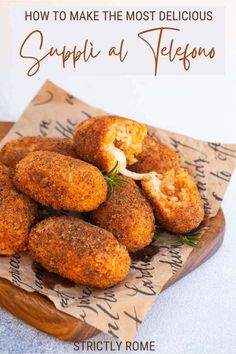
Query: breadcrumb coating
column 176, row 200
column 61, row 182
column 15, row 150
column 5, row 177
column 94, row 137
column 128, row 215
column 79, row 251
column 155, row 157
column 17, row 214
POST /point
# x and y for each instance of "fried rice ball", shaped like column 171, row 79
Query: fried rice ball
column 96, row 139
column 15, row 150
column 128, row 215
column 155, row 157
column 17, row 214
column 61, row 182
column 79, row 251
column 5, row 177
column 176, row 200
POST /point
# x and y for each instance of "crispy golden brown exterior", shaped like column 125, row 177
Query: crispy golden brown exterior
column 94, row 136
column 155, row 157
column 177, row 204
column 15, row 150
column 128, row 215
column 17, row 214
column 61, row 182
column 5, row 177
column 79, row 251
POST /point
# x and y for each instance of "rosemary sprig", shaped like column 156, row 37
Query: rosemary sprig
column 112, row 180
column 190, row 240
column 156, row 236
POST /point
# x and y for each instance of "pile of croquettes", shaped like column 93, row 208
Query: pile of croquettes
column 81, row 207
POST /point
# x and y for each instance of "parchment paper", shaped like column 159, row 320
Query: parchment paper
column 118, row 311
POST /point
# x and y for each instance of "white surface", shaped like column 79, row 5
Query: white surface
column 198, row 314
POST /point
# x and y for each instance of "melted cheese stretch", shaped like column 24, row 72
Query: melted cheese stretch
column 122, row 163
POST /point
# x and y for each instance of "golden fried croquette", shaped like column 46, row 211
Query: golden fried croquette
column 155, row 157
column 98, row 139
column 79, row 251
column 61, row 182
column 17, row 214
column 15, row 150
column 128, row 215
column 5, row 177
column 176, row 200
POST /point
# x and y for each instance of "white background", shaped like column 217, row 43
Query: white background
column 198, row 314
column 105, row 34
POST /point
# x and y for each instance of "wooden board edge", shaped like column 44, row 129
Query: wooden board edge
column 39, row 312
column 214, row 236
column 4, row 128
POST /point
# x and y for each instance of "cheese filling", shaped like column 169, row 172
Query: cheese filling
column 122, row 164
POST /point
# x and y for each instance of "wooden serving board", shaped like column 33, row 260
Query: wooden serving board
column 39, row 312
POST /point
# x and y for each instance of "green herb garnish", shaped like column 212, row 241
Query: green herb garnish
column 190, row 240
column 156, row 236
column 112, row 180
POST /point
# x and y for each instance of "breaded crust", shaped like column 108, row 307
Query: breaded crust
column 15, row 150
column 128, row 215
column 5, row 177
column 177, row 203
column 61, row 182
column 155, row 157
column 93, row 137
column 17, row 214
column 79, row 251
